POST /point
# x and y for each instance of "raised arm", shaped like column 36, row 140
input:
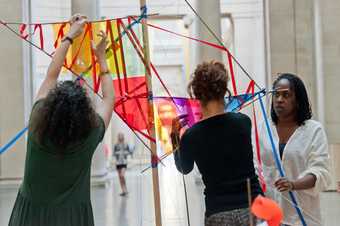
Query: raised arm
column 104, row 108
column 77, row 26
column 181, row 148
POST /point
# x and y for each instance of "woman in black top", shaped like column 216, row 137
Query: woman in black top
column 220, row 145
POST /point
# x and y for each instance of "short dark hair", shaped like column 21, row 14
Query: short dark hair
column 303, row 107
column 65, row 116
column 210, row 82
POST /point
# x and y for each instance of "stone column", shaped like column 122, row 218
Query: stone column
column 309, row 32
column 12, row 114
column 329, row 11
column 210, row 11
column 292, row 46
column 298, row 25
column 331, row 56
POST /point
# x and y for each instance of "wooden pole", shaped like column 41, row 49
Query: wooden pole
column 251, row 219
column 155, row 178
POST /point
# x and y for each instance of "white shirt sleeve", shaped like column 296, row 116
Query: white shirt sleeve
column 318, row 162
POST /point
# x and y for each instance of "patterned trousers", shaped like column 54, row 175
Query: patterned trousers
column 237, row 217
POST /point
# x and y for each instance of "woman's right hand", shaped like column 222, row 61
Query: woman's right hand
column 77, row 22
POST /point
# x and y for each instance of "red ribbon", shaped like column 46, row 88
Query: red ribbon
column 115, row 57
column 135, row 42
column 251, row 88
column 96, row 82
column 41, row 36
column 231, row 68
column 60, row 35
column 119, row 22
column 22, row 31
column 233, row 82
column 78, row 50
column 258, row 154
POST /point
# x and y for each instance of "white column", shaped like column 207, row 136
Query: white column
column 266, row 35
column 210, row 11
column 87, row 7
column 329, row 12
column 12, row 118
column 318, row 54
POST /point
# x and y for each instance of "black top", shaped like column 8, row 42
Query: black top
column 221, row 148
column 281, row 149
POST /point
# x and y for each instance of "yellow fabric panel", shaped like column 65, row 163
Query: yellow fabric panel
column 81, row 48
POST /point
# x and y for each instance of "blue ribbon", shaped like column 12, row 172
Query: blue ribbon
column 234, row 103
column 278, row 162
column 142, row 16
column 13, row 140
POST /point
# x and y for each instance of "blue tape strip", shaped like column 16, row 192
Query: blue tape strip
column 234, row 103
column 142, row 16
column 278, row 162
column 13, row 140
column 144, row 11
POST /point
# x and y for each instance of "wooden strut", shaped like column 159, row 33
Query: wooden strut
column 251, row 219
column 155, row 178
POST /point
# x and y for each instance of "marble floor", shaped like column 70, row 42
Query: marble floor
column 137, row 209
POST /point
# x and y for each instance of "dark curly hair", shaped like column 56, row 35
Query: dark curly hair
column 66, row 115
column 303, row 107
column 210, row 82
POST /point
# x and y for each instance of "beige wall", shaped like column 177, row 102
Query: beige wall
column 331, row 58
column 331, row 51
column 334, row 150
column 292, row 49
column 12, row 94
column 292, row 41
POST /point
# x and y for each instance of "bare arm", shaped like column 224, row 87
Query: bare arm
column 50, row 81
column 183, row 157
column 316, row 177
column 104, row 108
column 306, row 182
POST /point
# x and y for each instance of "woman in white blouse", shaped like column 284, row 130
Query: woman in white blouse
column 302, row 145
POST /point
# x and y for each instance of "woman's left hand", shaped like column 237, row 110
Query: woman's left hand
column 178, row 123
column 100, row 48
column 176, row 127
column 283, row 184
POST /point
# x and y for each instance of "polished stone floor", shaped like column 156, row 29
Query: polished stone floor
column 110, row 209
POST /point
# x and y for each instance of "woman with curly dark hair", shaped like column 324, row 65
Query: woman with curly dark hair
column 64, row 131
column 303, row 148
column 220, row 145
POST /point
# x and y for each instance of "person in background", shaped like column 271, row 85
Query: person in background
column 121, row 150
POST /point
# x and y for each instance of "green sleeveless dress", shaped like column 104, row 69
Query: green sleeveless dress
column 56, row 187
